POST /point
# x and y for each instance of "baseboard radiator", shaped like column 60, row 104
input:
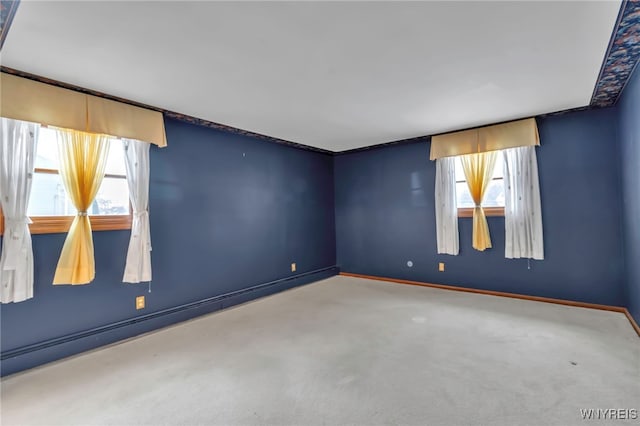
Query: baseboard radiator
column 18, row 359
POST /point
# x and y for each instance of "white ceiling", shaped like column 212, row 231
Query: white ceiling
column 333, row 75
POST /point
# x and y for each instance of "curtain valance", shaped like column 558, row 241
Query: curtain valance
column 28, row 100
column 484, row 139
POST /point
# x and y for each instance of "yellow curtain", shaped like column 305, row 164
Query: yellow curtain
column 83, row 158
column 478, row 170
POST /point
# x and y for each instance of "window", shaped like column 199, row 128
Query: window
column 493, row 201
column 51, row 210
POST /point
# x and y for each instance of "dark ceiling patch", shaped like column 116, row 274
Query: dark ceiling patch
column 7, row 12
column 622, row 56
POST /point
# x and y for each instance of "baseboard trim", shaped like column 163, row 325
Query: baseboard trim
column 619, row 309
column 15, row 360
column 632, row 320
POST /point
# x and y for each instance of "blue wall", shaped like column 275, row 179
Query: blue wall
column 629, row 113
column 385, row 217
column 227, row 212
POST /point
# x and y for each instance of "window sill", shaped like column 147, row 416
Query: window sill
column 61, row 224
column 488, row 211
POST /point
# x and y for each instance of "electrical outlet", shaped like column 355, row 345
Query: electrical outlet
column 140, row 302
column 293, row 267
column 441, row 266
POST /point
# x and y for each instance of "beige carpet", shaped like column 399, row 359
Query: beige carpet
column 349, row 351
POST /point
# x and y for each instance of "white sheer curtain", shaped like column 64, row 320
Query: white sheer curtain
column 17, row 157
column 446, row 208
column 522, row 212
column 138, row 267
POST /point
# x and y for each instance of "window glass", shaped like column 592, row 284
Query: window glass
column 46, row 150
column 115, row 161
column 494, row 195
column 112, row 197
column 48, row 195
